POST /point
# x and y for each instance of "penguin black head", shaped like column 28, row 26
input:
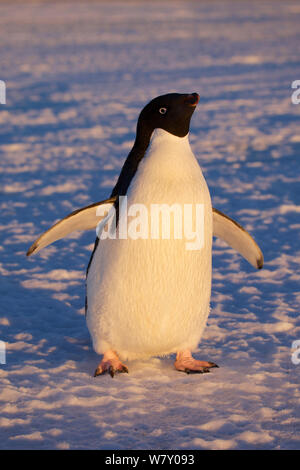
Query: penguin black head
column 171, row 112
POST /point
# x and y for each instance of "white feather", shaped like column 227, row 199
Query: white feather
column 151, row 297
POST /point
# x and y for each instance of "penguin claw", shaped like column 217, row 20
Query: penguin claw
column 204, row 370
column 112, row 371
column 186, row 363
column 99, row 371
column 124, row 369
column 110, row 365
column 212, row 364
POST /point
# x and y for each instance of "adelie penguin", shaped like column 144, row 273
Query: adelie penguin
column 150, row 296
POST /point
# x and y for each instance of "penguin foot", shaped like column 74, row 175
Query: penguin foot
column 111, row 364
column 186, row 363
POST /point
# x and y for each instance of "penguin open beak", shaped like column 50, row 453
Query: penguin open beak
column 192, row 99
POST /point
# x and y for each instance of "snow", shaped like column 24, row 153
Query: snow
column 77, row 76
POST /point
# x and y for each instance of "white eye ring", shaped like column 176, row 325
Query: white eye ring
column 163, row 110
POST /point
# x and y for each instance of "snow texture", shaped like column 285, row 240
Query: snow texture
column 77, row 76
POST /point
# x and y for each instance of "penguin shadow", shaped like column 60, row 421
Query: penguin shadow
column 155, row 368
column 136, row 368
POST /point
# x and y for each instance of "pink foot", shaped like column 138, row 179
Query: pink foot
column 110, row 363
column 186, row 363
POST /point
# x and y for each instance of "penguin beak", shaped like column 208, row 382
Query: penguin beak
column 192, row 99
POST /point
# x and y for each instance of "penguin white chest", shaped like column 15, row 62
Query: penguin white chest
column 149, row 294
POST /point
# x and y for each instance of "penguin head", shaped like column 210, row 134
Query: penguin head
column 171, row 112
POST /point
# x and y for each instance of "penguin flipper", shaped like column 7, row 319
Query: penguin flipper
column 238, row 238
column 81, row 219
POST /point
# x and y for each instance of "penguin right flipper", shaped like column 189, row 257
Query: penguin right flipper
column 238, row 238
column 81, row 219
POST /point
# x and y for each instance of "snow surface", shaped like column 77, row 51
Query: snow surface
column 77, row 76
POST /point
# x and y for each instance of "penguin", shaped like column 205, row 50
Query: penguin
column 149, row 295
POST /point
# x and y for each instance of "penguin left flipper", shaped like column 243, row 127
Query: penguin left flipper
column 238, row 238
column 81, row 219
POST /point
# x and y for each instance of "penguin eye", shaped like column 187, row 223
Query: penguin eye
column 162, row 110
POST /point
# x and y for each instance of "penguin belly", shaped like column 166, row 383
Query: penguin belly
column 150, row 297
